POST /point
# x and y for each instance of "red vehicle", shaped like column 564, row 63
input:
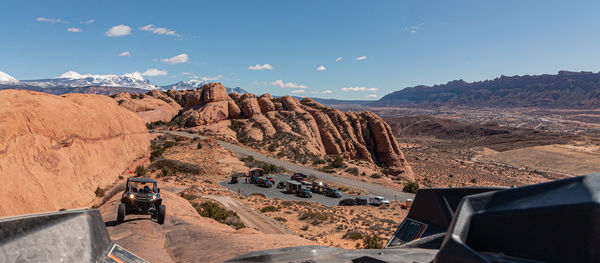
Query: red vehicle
column 299, row 177
column 270, row 178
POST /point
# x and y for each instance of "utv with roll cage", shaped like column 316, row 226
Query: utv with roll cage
column 141, row 197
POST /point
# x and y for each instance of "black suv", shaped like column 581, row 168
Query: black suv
column 141, row 197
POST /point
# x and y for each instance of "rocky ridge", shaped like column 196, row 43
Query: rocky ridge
column 301, row 130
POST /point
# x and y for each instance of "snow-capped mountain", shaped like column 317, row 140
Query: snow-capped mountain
column 185, row 85
column 74, row 79
column 194, row 84
column 7, row 79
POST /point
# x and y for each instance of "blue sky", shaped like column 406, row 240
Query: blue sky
column 404, row 43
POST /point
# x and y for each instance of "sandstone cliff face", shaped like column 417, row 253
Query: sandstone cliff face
column 55, row 150
column 298, row 130
column 151, row 107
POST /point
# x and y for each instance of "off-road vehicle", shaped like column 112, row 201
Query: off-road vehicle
column 141, row 197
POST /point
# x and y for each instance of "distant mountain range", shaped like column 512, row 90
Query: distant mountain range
column 564, row 90
column 73, row 82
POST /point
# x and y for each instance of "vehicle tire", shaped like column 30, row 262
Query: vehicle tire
column 121, row 213
column 162, row 210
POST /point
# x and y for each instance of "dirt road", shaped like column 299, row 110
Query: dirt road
column 251, row 218
column 373, row 189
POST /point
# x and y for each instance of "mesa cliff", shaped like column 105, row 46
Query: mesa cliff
column 300, row 130
column 54, row 149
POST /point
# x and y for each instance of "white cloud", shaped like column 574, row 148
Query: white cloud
column 118, row 31
column 359, row 89
column 211, row 78
column 187, row 73
column 326, row 92
column 414, row 29
column 159, row 30
column 181, row 58
column 74, row 29
column 371, row 96
column 298, row 91
column 51, row 20
column 288, row 85
column 361, row 58
column 321, row 68
column 87, row 22
column 125, row 54
column 338, row 59
column 153, row 72
column 261, row 67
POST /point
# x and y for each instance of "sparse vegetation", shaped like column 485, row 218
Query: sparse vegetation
column 220, row 214
column 411, row 187
column 353, row 235
column 353, row 171
column 99, row 192
column 140, row 171
column 258, row 194
column 372, row 242
column 269, row 208
column 199, row 146
column 376, row 176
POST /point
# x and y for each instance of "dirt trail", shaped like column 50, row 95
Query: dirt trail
column 251, row 218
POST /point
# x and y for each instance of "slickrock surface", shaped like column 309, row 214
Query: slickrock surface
column 55, row 150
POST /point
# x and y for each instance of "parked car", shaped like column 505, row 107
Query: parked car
column 332, row 192
column 360, row 200
column 264, row 182
column 378, row 200
column 270, row 178
column 347, row 202
column 298, row 177
column 304, row 193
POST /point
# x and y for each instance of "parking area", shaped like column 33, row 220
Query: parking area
column 274, row 192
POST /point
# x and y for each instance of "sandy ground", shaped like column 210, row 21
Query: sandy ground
column 565, row 159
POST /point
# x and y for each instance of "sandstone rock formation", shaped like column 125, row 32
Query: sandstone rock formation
column 151, row 107
column 299, row 130
column 56, row 150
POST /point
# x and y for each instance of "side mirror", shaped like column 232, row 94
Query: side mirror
column 158, row 190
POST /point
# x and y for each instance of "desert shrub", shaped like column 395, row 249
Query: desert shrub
column 121, row 177
column 99, row 192
column 166, row 171
column 305, row 227
column 140, row 171
column 258, row 194
column 269, row 208
column 363, row 174
column 376, row 176
column 169, row 144
column 120, row 102
column 269, row 168
column 337, row 162
column 473, row 180
column 319, row 161
column 248, row 158
column 353, row 171
column 280, row 219
column 372, row 242
column 411, row 187
column 272, row 147
column 287, row 203
column 199, row 146
column 177, row 166
column 353, row 235
column 215, row 211
column 314, row 215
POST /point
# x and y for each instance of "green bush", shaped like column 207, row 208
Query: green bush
column 372, row 242
column 411, row 187
column 353, row 171
column 99, row 192
column 269, row 208
column 376, row 176
column 140, row 171
column 213, row 210
column 353, row 235
column 337, row 162
column 272, row 147
column 199, row 145
column 280, row 219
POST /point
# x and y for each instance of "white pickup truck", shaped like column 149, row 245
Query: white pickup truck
column 378, row 200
